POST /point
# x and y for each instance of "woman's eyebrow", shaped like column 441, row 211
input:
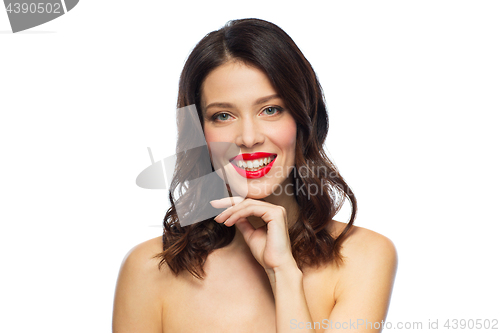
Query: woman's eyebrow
column 219, row 105
column 229, row 105
column 266, row 99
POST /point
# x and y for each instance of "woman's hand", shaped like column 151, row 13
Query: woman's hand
column 270, row 244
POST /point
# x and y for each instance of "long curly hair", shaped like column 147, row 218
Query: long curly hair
column 265, row 46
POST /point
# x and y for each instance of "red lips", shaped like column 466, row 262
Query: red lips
column 252, row 156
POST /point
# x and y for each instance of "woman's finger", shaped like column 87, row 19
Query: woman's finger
column 241, row 203
column 265, row 212
column 226, row 202
column 245, row 227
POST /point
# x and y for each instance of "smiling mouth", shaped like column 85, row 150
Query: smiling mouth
column 253, row 165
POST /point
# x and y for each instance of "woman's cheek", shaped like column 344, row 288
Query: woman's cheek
column 286, row 134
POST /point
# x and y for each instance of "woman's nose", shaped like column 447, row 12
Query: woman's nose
column 249, row 134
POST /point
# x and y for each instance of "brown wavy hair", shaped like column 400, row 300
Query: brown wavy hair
column 265, row 46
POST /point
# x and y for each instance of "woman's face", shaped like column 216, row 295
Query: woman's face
column 249, row 130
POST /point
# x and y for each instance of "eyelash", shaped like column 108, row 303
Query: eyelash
column 278, row 109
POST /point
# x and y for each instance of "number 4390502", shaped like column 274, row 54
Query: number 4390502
column 33, row 8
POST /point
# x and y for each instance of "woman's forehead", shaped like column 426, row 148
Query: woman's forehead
column 236, row 83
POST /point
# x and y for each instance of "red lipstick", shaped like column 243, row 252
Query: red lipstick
column 249, row 157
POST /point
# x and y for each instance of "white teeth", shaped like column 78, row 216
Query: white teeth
column 255, row 164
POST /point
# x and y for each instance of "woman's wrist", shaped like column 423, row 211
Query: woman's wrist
column 288, row 289
column 288, row 273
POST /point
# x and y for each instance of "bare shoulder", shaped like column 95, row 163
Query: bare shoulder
column 140, row 261
column 364, row 244
column 369, row 258
column 138, row 302
column 143, row 253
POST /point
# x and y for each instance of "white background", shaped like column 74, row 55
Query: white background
column 413, row 93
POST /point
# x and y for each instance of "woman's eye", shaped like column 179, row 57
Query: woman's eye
column 222, row 117
column 272, row 110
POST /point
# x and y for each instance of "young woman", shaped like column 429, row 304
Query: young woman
column 273, row 260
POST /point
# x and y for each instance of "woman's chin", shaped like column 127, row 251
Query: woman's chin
column 253, row 188
column 255, row 192
column 257, row 196
column 247, row 194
